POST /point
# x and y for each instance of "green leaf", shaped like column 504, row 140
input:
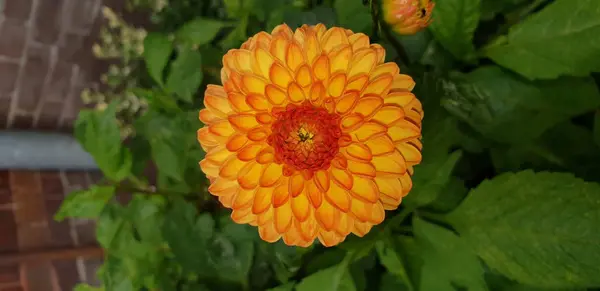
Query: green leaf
column 86, row 287
column 99, row 134
column 284, row 287
column 393, row 262
column 390, row 282
column 559, row 40
column 85, row 204
column 116, row 276
column 489, row 8
column 157, row 50
column 536, row 228
column 186, row 74
column 597, row 127
column 189, row 236
column 454, row 26
column 447, row 261
column 336, row 278
column 509, row 109
column 200, row 31
column 353, row 15
column 147, row 217
column 430, row 179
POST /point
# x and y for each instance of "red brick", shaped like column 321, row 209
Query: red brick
column 9, row 274
column 86, row 233
column 72, row 47
column 77, row 179
column 60, row 82
column 84, row 14
column 8, row 76
column 4, row 111
column 47, row 21
column 20, row 9
column 5, row 195
column 67, row 274
column 23, row 121
column 36, row 70
column 38, row 277
column 27, row 195
column 52, row 185
column 91, row 270
column 12, row 42
column 8, row 232
column 95, row 176
column 50, row 115
column 12, row 288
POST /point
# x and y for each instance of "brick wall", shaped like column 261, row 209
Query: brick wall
column 45, row 60
column 28, row 201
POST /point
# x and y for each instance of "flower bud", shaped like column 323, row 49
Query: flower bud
column 407, row 16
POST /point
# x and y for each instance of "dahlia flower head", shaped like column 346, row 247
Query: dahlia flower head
column 311, row 136
column 407, row 16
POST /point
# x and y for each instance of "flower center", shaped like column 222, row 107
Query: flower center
column 305, row 137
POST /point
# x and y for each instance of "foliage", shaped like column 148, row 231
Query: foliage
column 507, row 196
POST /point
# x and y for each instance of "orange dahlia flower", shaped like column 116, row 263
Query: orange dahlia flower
column 407, row 16
column 311, row 135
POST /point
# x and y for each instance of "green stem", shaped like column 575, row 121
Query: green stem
column 402, row 55
column 398, row 219
column 435, row 217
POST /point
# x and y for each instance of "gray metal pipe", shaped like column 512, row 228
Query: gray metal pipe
column 26, row 150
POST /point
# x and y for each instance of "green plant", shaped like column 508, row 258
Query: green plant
column 506, row 198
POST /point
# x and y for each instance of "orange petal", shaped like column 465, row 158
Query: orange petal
column 222, row 186
column 278, row 48
column 339, row 59
column 231, row 168
column 330, row 238
column 249, row 152
column 346, row 103
column 337, row 85
column 249, row 176
column 253, row 84
column 314, row 194
column 301, row 207
column 218, row 155
column 268, row 233
column 296, row 185
column 361, row 210
column 215, row 99
column 321, row 179
column 380, row 145
column 379, row 86
column 265, row 156
column 262, row 200
column 339, row 197
column 409, row 152
column 222, row 128
column 242, row 216
column 258, row 102
column 207, row 116
column 406, row 183
column 294, row 57
column 359, row 151
column 243, row 199
column 357, row 83
column 365, row 189
column 369, row 130
column 389, row 114
column 264, row 61
column 275, row 95
column 361, row 228
column 281, row 194
column 351, row 122
column 368, row 105
column 390, row 164
column 334, row 38
column 403, row 131
column 304, row 76
column 402, row 82
column 243, row 122
column 321, row 68
column 308, row 229
column 295, row 93
column 390, row 187
column 358, row 41
column 387, row 68
column 207, row 138
column 238, row 102
column 280, row 76
column 209, row 168
column 258, row 134
column 362, row 62
column 271, row 174
column 317, row 93
column 327, row 215
column 264, row 118
column 342, row 177
column 345, row 226
column 283, row 218
column 361, row 168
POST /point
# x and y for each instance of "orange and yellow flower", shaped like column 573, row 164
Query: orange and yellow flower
column 311, row 135
column 407, row 16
